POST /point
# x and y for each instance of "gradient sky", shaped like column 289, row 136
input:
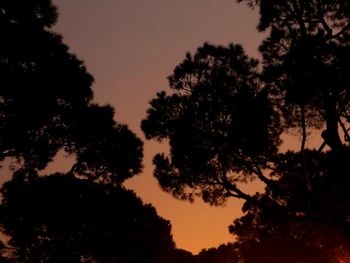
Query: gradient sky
column 130, row 47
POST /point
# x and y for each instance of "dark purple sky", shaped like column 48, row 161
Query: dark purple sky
column 130, row 47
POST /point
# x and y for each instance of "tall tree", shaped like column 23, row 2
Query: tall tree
column 219, row 123
column 46, row 106
column 46, row 101
column 225, row 117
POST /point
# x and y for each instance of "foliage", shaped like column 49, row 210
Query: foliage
column 225, row 117
column 46, row 106
column 46, row 101
column 225, row 253
column 272, row 236
column 218, row 123
column 59, row 218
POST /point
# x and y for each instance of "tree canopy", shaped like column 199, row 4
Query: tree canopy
column 59, row 218
column 218, row 122
column 224, row 120
column 46, row 106
column 46, row 101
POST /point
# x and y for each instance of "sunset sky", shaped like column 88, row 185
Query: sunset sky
column 130, row 47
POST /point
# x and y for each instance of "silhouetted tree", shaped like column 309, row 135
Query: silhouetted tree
column 270, row 235
column 297, row 225
column 219, row 124
column 46, row 101
column 59, row 218
column 306, row 60
column 46, row 106
column 225, row 253
column 225, row 117
column 183, row 256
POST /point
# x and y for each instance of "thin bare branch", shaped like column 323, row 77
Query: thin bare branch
column 322, row 20
column 346, row 134
column 231, row 187
column 341, row 32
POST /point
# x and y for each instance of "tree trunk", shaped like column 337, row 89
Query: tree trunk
column 331, row 134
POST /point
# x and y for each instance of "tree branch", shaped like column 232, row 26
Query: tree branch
column 281, row 171
column 299, row 17
column 346, row 134
column 257, row 171
column 302, row 148
column 331, row 134
column 323, row 21
column 341, row 32
column 233, row 188
column 237, row 192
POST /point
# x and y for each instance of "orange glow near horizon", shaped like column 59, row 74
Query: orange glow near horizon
column 130, row 47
